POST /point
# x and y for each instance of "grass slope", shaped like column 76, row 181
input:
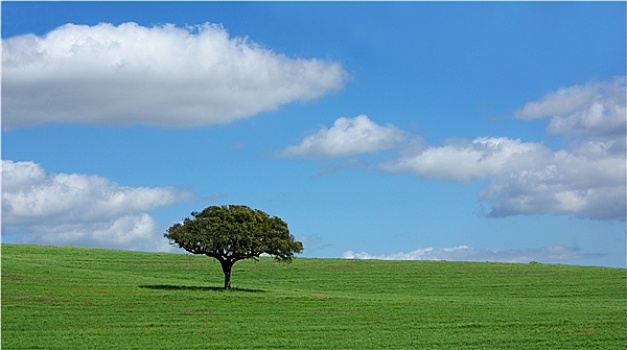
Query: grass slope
column 78, row 298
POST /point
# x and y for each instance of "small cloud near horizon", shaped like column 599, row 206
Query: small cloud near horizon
column 466, row 253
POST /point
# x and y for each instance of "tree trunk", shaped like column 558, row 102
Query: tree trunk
column 226, row 268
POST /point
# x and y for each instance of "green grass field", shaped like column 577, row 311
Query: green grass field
column 77, row 298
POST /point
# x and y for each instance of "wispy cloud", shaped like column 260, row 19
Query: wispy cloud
column 466, row 253
column 313, row 242
column 80, row 209
column 348, row 136
column 162, row 75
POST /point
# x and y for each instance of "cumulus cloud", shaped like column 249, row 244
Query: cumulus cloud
column 135, row 232
column 465, row 161
column 467, row 253
column 594, row 110
column 582, row 183
column 80, row 209
column 348, row 136
column 162, row 75
column 586, row 178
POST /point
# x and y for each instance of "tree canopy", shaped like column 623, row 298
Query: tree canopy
column 232, row 233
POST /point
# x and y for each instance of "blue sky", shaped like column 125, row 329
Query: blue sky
column 404, row 130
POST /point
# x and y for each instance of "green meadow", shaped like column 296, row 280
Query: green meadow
column 78, row 298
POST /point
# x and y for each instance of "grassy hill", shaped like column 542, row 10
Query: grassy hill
column 78, row 298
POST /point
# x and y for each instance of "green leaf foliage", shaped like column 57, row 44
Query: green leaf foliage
column 234, row 232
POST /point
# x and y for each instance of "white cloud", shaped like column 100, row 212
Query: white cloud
column 593, row 110
column 135, row 232
column 348, row 136
column 80, row 209
column 465, row 161
column 585, row 179
column 466, row 253
column 560, row 102
column 163, row 75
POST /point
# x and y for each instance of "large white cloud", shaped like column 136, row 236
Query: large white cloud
column 348, row 136
column 80, row 209
column 467, row 253
column 162, row 75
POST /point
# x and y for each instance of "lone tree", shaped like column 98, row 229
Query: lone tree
column 232, row 233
